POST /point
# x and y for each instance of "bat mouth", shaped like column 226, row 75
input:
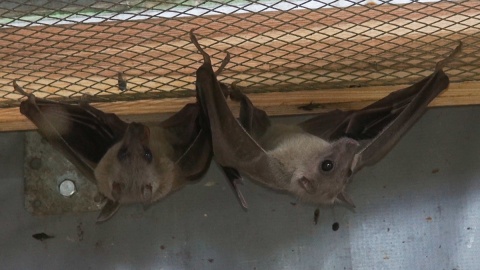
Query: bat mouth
column 307, row 185
column 147, row 193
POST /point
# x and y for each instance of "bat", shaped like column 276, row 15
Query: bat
column 309, row 106
column 121, row 82
column 128, row 162
column 314, row 160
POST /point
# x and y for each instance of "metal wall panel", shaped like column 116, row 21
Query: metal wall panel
column 417, row 209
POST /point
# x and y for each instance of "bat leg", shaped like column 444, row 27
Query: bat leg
column 234, row 178
column 108, row 210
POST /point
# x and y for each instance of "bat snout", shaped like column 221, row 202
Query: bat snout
column 307, row 185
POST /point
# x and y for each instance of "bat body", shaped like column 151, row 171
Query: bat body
column 129, row 163
column 315, row 159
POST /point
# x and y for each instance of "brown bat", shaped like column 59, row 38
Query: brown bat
column 315, row 159
column 129, row 163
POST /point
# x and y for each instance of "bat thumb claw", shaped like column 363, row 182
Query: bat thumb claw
column 108, row 210
column 242, row 200
column 343, row 197
column 240, row 197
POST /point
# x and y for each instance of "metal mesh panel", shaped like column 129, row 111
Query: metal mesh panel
column 62, row 49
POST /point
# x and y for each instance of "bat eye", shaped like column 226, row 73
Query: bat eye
column 327, row 165
column 122, row 153
column 147, row 154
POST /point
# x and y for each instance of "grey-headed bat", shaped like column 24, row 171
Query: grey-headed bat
column 129, row 163
column 315, row 159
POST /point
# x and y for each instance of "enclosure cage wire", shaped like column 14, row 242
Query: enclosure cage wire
column 63, row 49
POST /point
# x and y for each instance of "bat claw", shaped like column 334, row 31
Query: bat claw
column 234, row 179
column 343, row 197
column 206, row 57
column 108, row 210
column 19, row 89
column 240, row 197
column 225, row 61
column 122, row 83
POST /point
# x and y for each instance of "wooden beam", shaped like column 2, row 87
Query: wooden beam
column 278, row 103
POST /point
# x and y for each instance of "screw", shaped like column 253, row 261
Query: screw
column 67, row 188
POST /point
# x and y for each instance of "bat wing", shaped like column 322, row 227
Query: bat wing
column 81, row 133
column 253, row 120
column 233, row 147
column 190, row 140
column 382, row 124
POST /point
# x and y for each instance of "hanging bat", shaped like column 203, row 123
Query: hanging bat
column 129, row 163
column 315, row 159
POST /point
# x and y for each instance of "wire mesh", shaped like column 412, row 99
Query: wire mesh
column 63, row 49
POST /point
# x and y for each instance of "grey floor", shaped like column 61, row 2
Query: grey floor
column 417, row 209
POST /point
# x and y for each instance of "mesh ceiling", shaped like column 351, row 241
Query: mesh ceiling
column 63, row 49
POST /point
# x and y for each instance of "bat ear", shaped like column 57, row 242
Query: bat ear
column 348, row 145
column 108, row 210
column 343, row 197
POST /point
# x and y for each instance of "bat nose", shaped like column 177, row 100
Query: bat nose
column 307, row 185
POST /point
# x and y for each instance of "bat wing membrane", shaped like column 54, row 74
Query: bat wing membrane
column 382, row 124
column 190, row 140
column 233, row 147
column 82, row 133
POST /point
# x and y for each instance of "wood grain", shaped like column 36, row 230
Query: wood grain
column 279, row 103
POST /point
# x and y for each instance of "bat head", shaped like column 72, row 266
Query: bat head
column 323, row 174
column 131, row 170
